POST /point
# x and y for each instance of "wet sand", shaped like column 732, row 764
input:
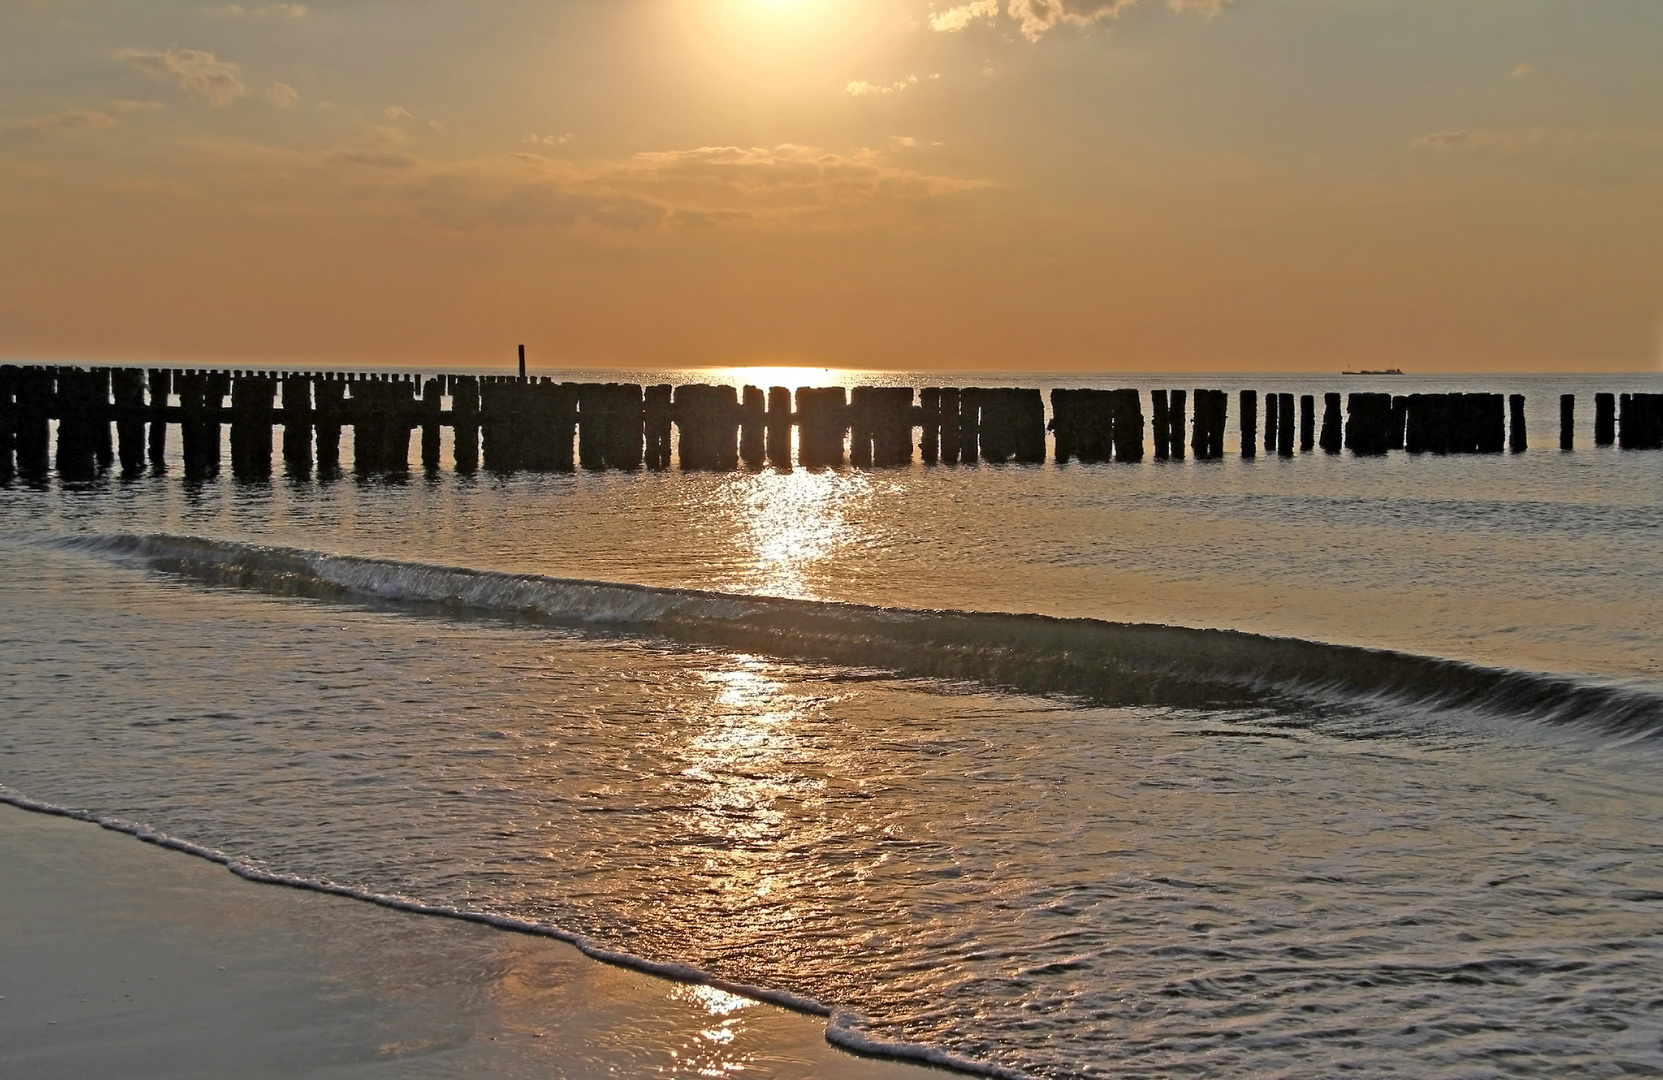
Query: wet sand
column 121, row 959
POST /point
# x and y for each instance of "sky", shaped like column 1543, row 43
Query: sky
column 1272, row 185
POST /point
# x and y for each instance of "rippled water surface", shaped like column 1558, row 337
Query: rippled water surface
column 1051, row 885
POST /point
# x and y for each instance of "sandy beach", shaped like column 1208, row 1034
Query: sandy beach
column 121, row 959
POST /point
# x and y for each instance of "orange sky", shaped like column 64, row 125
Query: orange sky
column 1013, row 184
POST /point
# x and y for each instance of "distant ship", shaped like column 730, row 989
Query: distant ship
column 1387, row 371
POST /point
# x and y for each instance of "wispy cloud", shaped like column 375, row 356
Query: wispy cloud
column 861, row 88
column 1558, row 140
column 549, row 140
column 58, row 122
column 136, row 106
column 262, row 11
column 397, row 112
column 957, row 18
column 281, row 95
column 200, row 74
column 1035, row 17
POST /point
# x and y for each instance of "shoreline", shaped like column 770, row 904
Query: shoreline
column 120, row 962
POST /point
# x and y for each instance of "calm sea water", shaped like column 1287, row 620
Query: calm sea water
column 1057, row 848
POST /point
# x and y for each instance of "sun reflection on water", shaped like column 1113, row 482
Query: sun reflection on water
column 792, row 522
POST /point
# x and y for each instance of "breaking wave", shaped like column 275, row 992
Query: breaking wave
column 1092, row 659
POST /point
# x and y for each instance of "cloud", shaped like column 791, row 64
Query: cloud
column 1439, row 139
column 200, row 74
column 396, row 112
column 862, row 88
column 372, row 159
column 549, row 140
column 1035, row 17
column 267, row 11
column 1523, row 71
column 955, row 19
column 281, row 95
column 57, row 123
column 136, row 106
column 1565, row 142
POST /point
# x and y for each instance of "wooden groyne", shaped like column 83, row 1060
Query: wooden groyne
column 125, row 418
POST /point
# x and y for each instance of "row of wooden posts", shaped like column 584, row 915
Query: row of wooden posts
column 506, row 424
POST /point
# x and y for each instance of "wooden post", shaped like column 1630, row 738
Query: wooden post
column 1160, row 423
column 970, row 425
column 296, row 392
column 1605, row 419
column 929, row 420
column 1127, row 430
column 753, row 427
column 1175, row 417
column 778, row 434
column 522, row 363
column 1027, row 413
column 330, row 412
column 1517, row 440
column 657, row 425
column 951, row 447
column 464, row 420
column 161, row 385
column 862, row 409
column 432, row 408
column 1331, row 432
column 8, row 421
column 251, row 423
column 1250, row 422
column 1285, row 425
column 127, row 390
column 1307, row 422
column 1567, row 421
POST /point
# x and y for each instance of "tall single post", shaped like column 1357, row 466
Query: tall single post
column 1331, row 430
column 1605, row 419
column 1567, row 421
column 296, row 391
column 753, row 426
column 161, row 385
column 929, row 415
column 522, row 363
column 1175, row 417
column 1160, row 423
column 432, row 407
column 127, row 390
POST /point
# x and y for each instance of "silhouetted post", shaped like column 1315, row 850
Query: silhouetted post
column 8, row 420
column 161, row 385
column 251, row 423
column 707, row 422
column 127, row 390
column 950, row 406
column 1175, row 417
column 1605, row 419
column 77, row 450
column 522, row 363
column 593, row 408
column 861, row 409
column 1250, row 422
column 1368, row 426
column 892, row 424
column 822, row 418
column 1285, row 425
column 1517, row 440
column 1160, row 421
column 970, row 425
column 103, row 444
column 753, row 427
column 1399, row 421
column 1307, row 423
column 779, row 427
column 1331, row 433
column 296, row 391
column 659, row 435
column 1273, row 422
column 628, row 427
column 215, row 386
column 34, row 422
column 1127, row 432
column 192, row 391
column 1625, row 421
column 329, row 411
column 1065, row 422
column 464, row 422
column 1567, row 421
column 433, row 406
column 929, row 413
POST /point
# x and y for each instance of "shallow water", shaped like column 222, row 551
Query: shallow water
column 1315, row 878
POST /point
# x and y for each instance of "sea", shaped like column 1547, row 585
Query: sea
column 1296, row 767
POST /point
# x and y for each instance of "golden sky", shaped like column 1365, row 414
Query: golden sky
column 1013, row 184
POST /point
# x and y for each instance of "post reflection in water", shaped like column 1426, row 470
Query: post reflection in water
column 790, row 522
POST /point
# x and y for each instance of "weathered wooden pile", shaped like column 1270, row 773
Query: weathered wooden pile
column 108, row 417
